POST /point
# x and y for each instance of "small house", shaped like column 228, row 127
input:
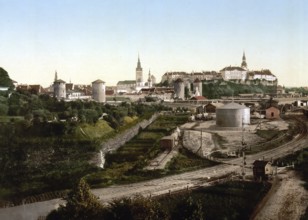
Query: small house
column 211, row 107
column 167, row 142
column 262, row 169
column 272, row 113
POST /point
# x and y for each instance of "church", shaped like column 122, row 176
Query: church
column 134, row 86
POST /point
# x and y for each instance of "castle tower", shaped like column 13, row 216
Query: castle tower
column 244, row 64
column 59, row 89
column 179, row 89
column 99, row 91
column 139, row 74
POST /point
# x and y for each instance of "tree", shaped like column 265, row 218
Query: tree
column 81, row 204
column 5, row 80
column 3, row 109
column 138, row 207
column 188, row 209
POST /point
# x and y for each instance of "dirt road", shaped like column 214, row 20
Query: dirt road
column 288, row 199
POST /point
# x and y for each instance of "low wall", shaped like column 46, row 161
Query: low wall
column 119, row 140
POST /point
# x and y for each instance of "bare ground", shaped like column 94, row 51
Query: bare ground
column 231, row 138
column 288, row 199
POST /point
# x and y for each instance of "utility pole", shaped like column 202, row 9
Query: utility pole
column 243, row 150
column 201, row 138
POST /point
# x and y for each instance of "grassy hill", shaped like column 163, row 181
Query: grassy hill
column 228, row 88
column 92, row 131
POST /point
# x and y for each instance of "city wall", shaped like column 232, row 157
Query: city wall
column 119, row 140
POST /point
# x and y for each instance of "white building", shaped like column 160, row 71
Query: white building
column 233, row 73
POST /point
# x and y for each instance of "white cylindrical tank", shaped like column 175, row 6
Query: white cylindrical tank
column 232, row 115
column 179, row 89
column 99, row 91
column 59, row 89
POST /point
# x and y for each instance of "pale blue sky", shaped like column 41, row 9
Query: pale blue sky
column 85, row 40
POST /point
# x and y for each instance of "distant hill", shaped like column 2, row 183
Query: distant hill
column 5, row 80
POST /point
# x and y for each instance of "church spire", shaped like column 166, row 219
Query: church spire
column 244, row 64
column 139, row 74
column 139, row 64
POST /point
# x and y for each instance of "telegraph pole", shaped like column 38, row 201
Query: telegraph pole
column 243, row 150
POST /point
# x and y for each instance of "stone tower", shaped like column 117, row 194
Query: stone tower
column 139, row 74
column 99, row 91
column 179, row 89
column 59, row 89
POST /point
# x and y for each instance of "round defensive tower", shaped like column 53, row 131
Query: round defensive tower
column 99, row 91
column 232, row 115
column 179, row 89
column 198, row 86
column 59, row 89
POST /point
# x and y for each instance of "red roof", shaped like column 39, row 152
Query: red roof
column 198, row 98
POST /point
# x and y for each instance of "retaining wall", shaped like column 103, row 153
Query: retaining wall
column 119, row 140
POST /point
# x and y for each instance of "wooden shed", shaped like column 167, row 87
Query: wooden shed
column 211, row 107
column 167, row 142
column 272, row 113
column 262, row 169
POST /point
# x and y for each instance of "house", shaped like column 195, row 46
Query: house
column 300, row 103
column 167, row 142
column 198, row 98
column 126, row 86
column 211, row 107
column 233, row 73
column 33, row 89
column 262, row 169
column 272, row 113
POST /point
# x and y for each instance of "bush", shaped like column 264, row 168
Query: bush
column 3, row 109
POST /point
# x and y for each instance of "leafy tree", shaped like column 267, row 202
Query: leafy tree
column 5, row 79
column 188, row 209
column 81, row 204
column 138, row 207
column 91, row 116
column 3, row 109
column 186, row 92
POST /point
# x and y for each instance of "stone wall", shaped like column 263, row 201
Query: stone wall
column 119, row 140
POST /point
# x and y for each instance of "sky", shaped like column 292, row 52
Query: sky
column 86, row 40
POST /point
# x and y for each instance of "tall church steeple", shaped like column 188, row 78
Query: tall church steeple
column 139, row 65
column 244, row 64
column 139, row 74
